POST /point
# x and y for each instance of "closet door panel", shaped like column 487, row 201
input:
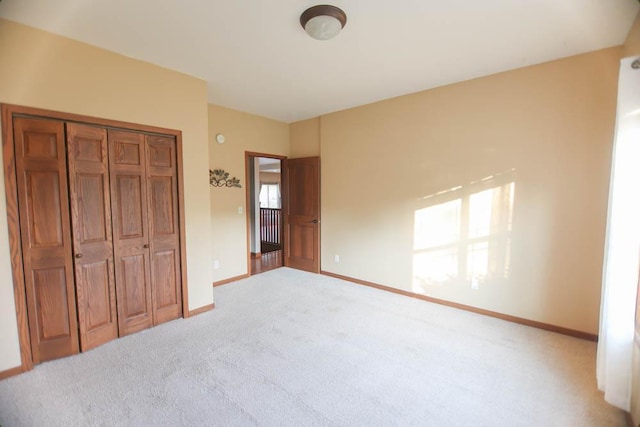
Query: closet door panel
column 130, row 207
column 130, row 230
column 43, row 203
column 165, row 270
column 99, row 312
column 162, row 207
column 49, row 286
column 135, row 301
column 92, row 234
column 44, row 211
column 164, row 231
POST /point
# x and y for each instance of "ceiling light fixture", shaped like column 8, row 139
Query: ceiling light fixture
column 323, row 22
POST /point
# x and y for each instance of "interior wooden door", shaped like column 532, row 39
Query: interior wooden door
column 127, row 170
column 164, row 230
column 43, row 203
column 303, row 214
column 92, row 237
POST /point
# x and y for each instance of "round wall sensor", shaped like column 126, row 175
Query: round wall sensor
column 220, row 138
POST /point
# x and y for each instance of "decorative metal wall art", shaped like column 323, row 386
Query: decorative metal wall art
column 220, row 178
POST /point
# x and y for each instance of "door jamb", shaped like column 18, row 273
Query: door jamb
column 284, row 197
column 15, row 245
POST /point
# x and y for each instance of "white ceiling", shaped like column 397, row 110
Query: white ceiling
column 256, row 58
column 268, row 164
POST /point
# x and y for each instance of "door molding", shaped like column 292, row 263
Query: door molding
column 283, row 197
column 7, row 113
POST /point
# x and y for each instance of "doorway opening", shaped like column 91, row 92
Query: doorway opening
column 264, row 212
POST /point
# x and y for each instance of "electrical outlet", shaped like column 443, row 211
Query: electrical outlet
column 336, row 259
column 216, row 264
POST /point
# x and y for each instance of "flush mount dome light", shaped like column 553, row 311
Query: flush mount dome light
column 323, row 22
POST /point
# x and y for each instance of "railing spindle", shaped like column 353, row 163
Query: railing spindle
column 270, row 221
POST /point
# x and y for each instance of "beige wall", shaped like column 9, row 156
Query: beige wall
column 270, row 177
column 548, row 128
column 243, row 132
column 632, row 44
column 305, row 138
column 42, row 70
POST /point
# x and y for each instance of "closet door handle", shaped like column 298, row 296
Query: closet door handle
column 146, row 246
column 78, row 256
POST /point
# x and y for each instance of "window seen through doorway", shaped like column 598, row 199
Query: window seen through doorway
column 270, row 196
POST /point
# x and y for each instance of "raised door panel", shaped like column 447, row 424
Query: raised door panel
column 92, row 216
column 43, row 204
column 45, row 226
column 302, row 245
column 164, row 236
column 39, row 143
column 303, row 183
column 129, row 207
column 162, row 152
column 303, row 214
column 134, row 300
column 133, row 268
column 127, row 149
column 162, row 206
column 165, row 267
column 99, row 313
column 92, row 234
column 49, row 289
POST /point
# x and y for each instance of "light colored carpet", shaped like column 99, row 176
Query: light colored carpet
column 288, row 348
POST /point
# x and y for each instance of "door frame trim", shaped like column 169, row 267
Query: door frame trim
column 15, row 246
column 7, row 113
column 284, row 197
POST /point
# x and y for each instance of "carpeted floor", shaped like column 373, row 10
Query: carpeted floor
column 288, row 348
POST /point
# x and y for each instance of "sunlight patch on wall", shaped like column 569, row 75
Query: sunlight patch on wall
column 436, row 233
column 465, row 239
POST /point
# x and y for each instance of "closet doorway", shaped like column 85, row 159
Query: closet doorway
column 96, row 229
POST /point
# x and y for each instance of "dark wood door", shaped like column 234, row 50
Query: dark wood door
column 303, row 214
column 92, row 237
column 127, row 170
column 164, row 230
column 43, row 203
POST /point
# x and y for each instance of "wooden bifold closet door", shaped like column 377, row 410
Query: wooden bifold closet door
column 164, row 229
column 130, row 230
column 144, row 197
column 45, row 230
column 99, row 232
column 92, row 238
